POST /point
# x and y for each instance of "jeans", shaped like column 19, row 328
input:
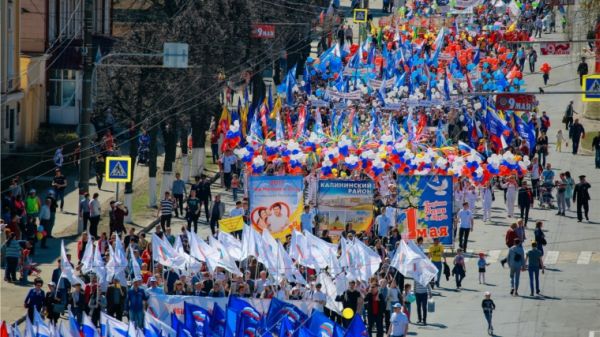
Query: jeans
column 463, row 237
column 205, row 202
column 562, row 203
column 227, row 179
column 86, row 219
column 515, row 274
column 439, row 266
column 235, row 193
column 534, row 273
column 60, row 195
column 598, row 157
column 575, row 145
column 421, row 300
column 542, row 157
column 215, row 152
column 11, row 268
column 137, row 317
column 488, row 318
column 192, row 218
column 376, row 321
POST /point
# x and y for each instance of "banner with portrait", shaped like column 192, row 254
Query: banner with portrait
column 343, row 202
column 276, row 203
column 425, row 207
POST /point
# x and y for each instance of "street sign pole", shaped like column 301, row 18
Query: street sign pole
column 117, row 197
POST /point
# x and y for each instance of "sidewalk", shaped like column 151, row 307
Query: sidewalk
column 65, row 228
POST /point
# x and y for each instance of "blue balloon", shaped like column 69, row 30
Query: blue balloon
column 470, row 66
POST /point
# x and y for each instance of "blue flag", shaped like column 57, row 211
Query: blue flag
column 320, row 325
column 217, row 323
column 356, row 328
column 197, row 319
column 304, row 332
column 279, row 309
column 286, row 329
column 237, row 309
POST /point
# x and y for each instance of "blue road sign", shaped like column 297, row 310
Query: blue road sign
column 591, row 88
column 118, row 169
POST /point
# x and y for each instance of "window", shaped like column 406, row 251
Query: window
column 18, row 113
column 62, row 87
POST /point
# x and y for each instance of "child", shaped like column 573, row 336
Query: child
column 546, row 72
column 235, row 185
column 559, row 140
column 488, row 306
column 409, row 297
column 481, row 264
column 27, row 266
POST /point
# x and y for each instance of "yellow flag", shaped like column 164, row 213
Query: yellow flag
column 276, row 108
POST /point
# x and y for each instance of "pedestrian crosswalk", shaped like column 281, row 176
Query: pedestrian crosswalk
column 551, row 257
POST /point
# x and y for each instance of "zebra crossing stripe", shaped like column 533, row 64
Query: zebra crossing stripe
column 551, row 257
column 584, row 258
column 493, row 255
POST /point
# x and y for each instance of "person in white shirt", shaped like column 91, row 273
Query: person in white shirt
column 398, row 322
column 465, row 225
column 487, row 196
column 319, row 298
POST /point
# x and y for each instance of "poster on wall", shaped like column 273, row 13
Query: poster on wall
column 425, row 204
column 343, row 202
column 276, row 203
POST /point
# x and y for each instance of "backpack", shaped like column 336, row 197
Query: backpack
column 517, row 257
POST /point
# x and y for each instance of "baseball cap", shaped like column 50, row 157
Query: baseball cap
column 152, row 279
column 397, row 305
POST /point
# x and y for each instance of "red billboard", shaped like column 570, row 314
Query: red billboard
column 515, row 102
column 261, row 31
column 555, row 48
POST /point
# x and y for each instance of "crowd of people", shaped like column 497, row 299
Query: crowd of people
column 410, row 126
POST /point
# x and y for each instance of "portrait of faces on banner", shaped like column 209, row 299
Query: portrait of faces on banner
column 426, row 204
column 343, row 202
column 276, row 204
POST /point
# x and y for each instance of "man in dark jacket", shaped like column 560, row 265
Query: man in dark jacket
column 582, row 197
column 375, row 305
column 115, row 299
column 349, row 299
column 525, row 199
column 576, row 133
column 582, row 70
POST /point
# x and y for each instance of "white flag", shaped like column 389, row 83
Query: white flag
column 114, row 268
column 225, row 260
column 137, row 271
column 151, row 322
column 410, row 261
column 251, row 243
column 233, row 245
column 287, row 267
column 66, row 268
column 87, row 260
column 163, row 253
column 99, row 268
column 330, row 290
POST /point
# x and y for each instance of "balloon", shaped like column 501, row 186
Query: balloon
column 39, row 235
column 411, row 298
column 348, row 313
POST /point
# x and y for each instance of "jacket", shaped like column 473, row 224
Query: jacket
column 581, row 193
column 525, row 197
column 516, row 257
column 369, row 302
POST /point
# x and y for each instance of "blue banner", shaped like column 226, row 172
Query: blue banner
column 426, row 204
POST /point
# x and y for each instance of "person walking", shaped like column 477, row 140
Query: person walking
column 535, row 172
column 534, row 262
column 178, row 189
column 511, row 191
column 99, row 168
column 59, row 184
column 422, row 294
column 217, row 212
column 34, row 301
column 436, row 254
column 488, row 307
column 115, row 299
column 166, row 211
column 398, row 322
column 542, row 147
column 581, row 195
column 228, row 162
column 460, row 269
column 375, row 306
column 539, row 236
column 545, row 69
column 192, row 211
column 559, row 140
column 576, row 133
column 596, row 146
column 350, row 299
column 95, row 212
column 569, row 190
column 465, row 225
column 568, row 118
column 525, row 200
column 582, row 70
column 532, row 60
column 487, row 197
column 516, row 261
column 561, row 187
column 84, row 210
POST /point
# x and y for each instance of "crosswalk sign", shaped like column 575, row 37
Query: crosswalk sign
column 118, row 169
column 591, row 88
